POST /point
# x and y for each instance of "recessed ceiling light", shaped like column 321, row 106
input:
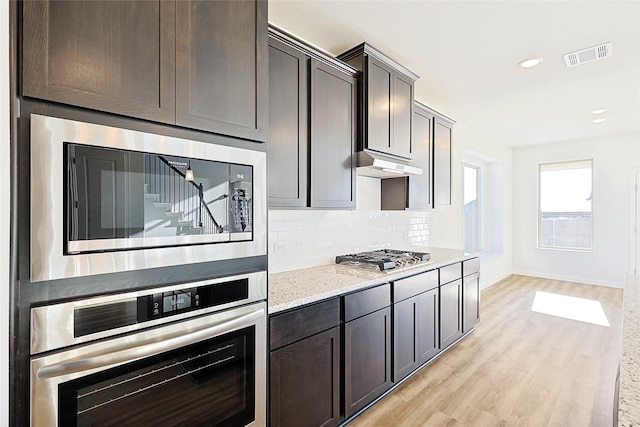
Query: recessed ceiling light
column 598, row 120
column 599, row 111
column 529, row 62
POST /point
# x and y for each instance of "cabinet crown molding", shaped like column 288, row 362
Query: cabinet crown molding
column 366, row 49
column 421, row 106
column 310, row 50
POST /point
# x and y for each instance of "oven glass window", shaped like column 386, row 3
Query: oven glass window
column 135, row 199
column 207, row 384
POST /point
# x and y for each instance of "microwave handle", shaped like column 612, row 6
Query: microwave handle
column 136, row 352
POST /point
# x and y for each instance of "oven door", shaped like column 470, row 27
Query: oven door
column 205, row 371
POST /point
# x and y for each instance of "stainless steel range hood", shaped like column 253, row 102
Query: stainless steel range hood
column 377, row 165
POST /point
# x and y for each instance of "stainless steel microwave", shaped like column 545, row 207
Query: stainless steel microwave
column 105, row 200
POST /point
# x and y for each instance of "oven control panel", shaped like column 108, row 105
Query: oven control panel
column 170, row 303
column 82, row 320
column 93, row 319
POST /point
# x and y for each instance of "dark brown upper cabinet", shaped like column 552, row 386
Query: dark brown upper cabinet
column 288, row 148
column 312, row 127
column 197, row 64
column 442, row 155
column 333, row 118
column 221, row 67
column 116, row 56
column 432, row 145
column 420, row 192
column 386, row 101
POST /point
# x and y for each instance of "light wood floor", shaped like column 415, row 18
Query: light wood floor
column 518, row 368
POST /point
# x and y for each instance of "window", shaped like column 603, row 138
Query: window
column 565, row 208
column 472, row 214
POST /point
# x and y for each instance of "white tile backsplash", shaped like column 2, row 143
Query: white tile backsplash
column 305, row 238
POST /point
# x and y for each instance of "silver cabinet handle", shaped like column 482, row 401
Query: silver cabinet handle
column 135, row 352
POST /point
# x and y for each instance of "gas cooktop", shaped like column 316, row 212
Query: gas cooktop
column 384, row 259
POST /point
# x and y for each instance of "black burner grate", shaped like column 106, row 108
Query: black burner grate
column 384, row 259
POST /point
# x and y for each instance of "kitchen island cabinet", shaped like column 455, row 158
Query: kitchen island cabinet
column 312, row 127
column 196, row 64
column 386, row 101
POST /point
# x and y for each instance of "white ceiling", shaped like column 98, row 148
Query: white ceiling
column 466, row 54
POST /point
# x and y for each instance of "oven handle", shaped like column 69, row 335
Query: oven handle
column 136, row 352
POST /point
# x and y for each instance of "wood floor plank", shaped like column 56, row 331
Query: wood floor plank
column 518, row 368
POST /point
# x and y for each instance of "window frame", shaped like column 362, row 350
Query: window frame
column 540, row 213
column 480, row 197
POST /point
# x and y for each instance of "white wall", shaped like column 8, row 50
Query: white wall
column 306, row 238
column 299, row 239
column 446, row 225
column 4, row 212
column 614, row 160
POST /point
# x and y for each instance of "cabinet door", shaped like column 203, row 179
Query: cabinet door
column 405, row 319
column 221, row 83
column 305, row 382
column 288, row 126
column 378, row 104
column 415, row 333
column 332, row 137
column 113, row 56
column 450, row 313
column 402, row 116
column 471, row 296
column 442, row 163
column 420, row 191
column 428, row 326
column 367, row 352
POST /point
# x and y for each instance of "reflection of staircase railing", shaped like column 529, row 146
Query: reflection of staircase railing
column 181, row 196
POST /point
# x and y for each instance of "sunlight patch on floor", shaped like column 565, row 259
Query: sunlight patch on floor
column 583, row 310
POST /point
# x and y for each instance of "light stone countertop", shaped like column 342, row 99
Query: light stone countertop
column 295, row 288
column 629, row 402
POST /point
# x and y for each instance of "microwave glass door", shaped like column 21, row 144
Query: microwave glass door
column 119, row 199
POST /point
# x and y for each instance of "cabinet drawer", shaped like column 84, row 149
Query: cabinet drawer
column 470, row 266
column 364, row 302
column 303, row 322
column 414, row 285
column 450, row 273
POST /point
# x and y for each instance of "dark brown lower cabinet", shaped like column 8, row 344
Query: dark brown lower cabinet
column 415, row 333
column 367, row 351
column 450, row 313
column 305, row 382
column 471, row 305
column 332, row 359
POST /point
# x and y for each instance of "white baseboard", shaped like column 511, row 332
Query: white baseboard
column 492, row 281
column 572, row 279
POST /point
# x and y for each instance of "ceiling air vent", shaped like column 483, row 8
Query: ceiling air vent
column 587, row 55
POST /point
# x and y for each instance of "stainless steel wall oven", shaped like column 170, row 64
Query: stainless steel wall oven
column 185, row 355
column 106, row 200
